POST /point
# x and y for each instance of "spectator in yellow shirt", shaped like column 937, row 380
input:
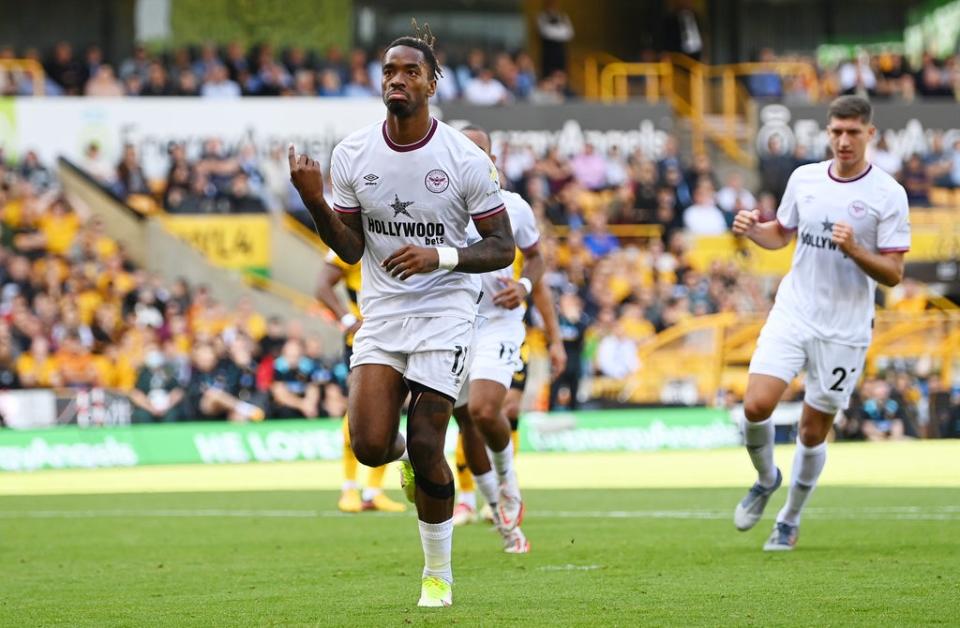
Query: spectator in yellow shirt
column 59, row 225
column 913, row 300
column 37, row 369
column 248, row 321
column 76, row 366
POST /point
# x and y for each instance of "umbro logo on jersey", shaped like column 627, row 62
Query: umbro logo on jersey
column 371, row 179
column 400, row 207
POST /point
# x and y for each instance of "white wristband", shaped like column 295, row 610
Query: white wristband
column 526, row 283
column 448, row 257
column 348, row 320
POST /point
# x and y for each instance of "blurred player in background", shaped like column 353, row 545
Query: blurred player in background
column 405, row 192
column 334, row 271
column 496, row 359
column 853, row 228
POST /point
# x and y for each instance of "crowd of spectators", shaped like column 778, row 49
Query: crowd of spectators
column 232, row 71
column 77, row 313
column 622, row 288
column 479, row 76
column 882, row 76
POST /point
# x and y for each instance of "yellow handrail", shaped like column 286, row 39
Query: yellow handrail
column 283, row 291
column 613, row 80
column 613, row 87
column 30, row 66
column 621, row 231
column 682, row 352
column 298, row 229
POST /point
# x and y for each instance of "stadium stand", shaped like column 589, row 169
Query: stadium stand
column 76, row 313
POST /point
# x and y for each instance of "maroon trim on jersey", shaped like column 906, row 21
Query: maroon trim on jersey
column 531, row 248
column 856, row 178
column 784, row 227
column 403, row 148
column 895, row 249
column 346, row 210
column 490, row 212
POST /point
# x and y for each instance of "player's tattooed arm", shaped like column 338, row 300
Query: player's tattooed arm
column 884, row 267
column 341, row 232
column 493, row 252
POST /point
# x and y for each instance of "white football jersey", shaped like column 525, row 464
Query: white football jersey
column 423, row 194
column 825, row 291
column 525, row 235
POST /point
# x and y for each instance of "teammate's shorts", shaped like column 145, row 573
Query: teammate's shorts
column 784, row 349
column 431, row 351
column 496, row 353
column 519, row 379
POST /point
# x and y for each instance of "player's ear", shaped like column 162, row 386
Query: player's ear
column 432, row 87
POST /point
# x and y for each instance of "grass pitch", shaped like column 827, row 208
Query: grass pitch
column 655, row 556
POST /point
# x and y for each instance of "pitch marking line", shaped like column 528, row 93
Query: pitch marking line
column 884, row 513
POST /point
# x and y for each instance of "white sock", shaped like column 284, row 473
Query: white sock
column 370, row 493
column 437, row 541
column 807, row 464
column 487, row 482
column 404, row 457
column 469, row 498
column 349, row 485
column 759, row 440
column 503, row 463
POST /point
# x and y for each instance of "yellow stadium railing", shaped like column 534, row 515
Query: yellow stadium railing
column 712, row 353
column 297, row 298
column 696, row 91
column 28, row 66
column 296, row 227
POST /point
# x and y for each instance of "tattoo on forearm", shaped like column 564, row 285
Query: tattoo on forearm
column 494, row 251
column 343, row 234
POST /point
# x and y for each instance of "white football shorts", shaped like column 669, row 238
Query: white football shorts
column 431, row 351
column 496, row 353
column 833, row 369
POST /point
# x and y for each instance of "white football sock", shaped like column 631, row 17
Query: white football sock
column 503, row 463
column 404, row 457
column 487, row 482
column 437, row 541
column 469, row 498
column 759, row 440
column 807, row 464
column 370, row 493
column 349, row 485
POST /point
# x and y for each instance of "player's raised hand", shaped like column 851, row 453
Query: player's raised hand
column 306, row 177
column 411, row 260
column 842, row 236
column 745, row 220
column 511, row 296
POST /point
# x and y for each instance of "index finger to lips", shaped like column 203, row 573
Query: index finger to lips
column 292, row 156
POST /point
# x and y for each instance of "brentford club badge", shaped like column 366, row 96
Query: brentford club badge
column 857, row 209
column 436, row 181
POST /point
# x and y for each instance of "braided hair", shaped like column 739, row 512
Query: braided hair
column 423, row 40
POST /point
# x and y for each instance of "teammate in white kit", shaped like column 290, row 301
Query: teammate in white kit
column 404, row 192
column 853, row 228
column 496, row 357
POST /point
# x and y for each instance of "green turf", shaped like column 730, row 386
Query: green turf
column 867, row 556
